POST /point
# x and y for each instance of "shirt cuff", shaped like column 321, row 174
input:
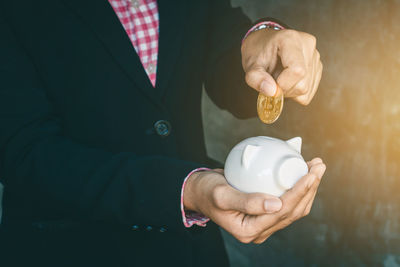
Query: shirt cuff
column 191, row 218
column 263, row 25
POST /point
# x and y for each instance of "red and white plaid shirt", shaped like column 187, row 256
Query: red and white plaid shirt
column 140, row 20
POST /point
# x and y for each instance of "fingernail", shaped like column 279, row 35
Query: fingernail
column 272, row 205
column 268, row 88
column 311, row 181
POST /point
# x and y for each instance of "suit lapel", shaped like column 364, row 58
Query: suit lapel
column 172, row 14
column 101, row 18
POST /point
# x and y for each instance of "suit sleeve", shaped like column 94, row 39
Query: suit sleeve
column 225, row 78
column 38, row 161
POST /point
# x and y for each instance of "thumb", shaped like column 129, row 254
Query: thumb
column 261, row 80
column 253, row 203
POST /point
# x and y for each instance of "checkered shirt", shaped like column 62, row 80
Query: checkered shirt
column 141, row 22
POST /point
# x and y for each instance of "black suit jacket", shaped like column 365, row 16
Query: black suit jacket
column 80, row 158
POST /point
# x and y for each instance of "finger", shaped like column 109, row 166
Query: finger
column 228, row 198
column 289, row 201
column 307, row 84
column 314, row 80
column 317, row 80
column 313, row 162
column 294, row 66
column 262, row 238
column 301, row 209
column 274, row 227
column 262, row 81
column 294, row 196
column 309, row 44
column 319, row 169
column 317, row 64
column 299, row 212
column 287, row 217
column 310, row 203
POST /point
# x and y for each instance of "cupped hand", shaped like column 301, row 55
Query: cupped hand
column 251, row 217
column 286, row 58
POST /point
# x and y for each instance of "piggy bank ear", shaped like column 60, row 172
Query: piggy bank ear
column 295, row 143
column 248, row 154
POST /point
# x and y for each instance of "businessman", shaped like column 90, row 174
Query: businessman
column 101, row 142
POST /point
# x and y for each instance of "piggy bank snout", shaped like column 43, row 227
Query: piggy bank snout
column 290, row 170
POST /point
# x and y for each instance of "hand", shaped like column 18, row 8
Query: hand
column 289, row 56
column 251, row 217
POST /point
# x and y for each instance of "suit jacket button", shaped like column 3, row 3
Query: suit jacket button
column 163, row 128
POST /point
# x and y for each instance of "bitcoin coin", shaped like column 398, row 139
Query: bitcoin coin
column 270, row 107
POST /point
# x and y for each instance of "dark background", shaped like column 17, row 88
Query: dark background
column 353, row 124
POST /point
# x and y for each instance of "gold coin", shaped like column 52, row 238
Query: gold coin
column 270, row 107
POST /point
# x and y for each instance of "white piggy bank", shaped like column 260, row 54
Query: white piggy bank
column 266, row 165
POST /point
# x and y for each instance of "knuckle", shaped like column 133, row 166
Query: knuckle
column 312, row 40
column 307, row 212
column 247, row 77
column 290, row 33
column 217, row 196
column 251, row 78
column 318, row 55
column 251, row 202
column 259, row 241
column 299, row 71
column 303, row 100
column 244, row 239
column 317, row 159
column 301, row 90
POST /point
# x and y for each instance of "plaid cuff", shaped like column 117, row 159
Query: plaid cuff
column 190, row 218
column 264, row 25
